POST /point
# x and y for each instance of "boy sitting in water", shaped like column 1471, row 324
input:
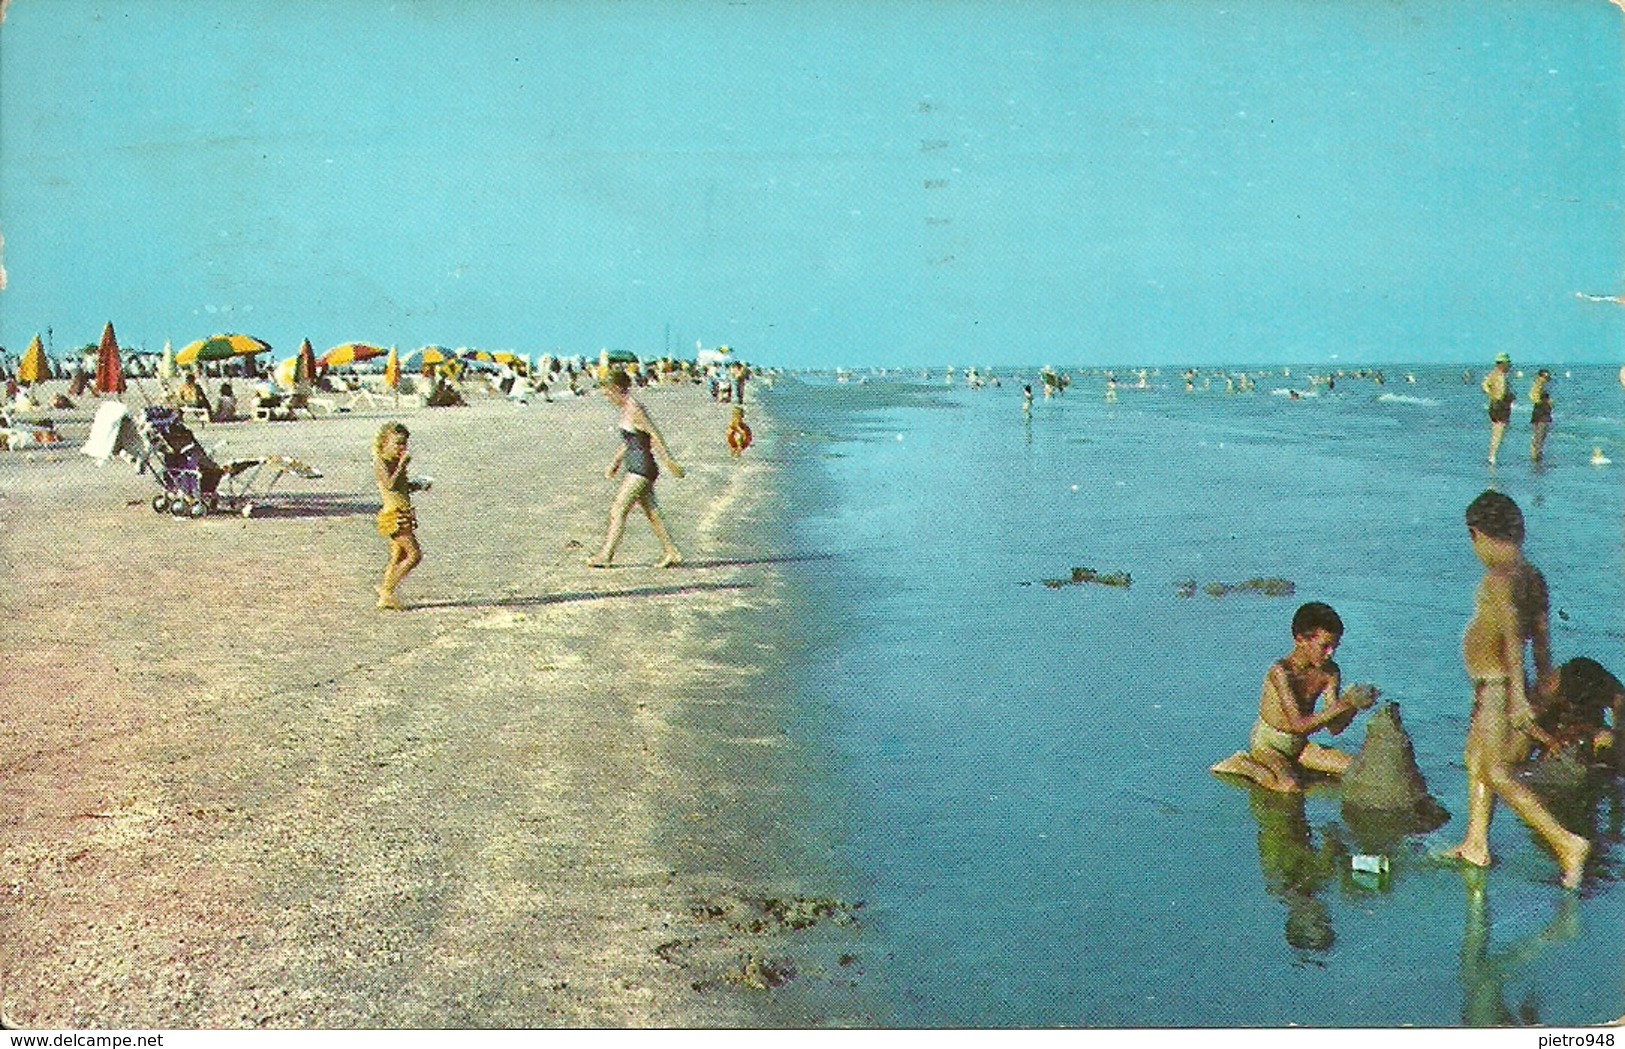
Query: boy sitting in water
column 1278, row 750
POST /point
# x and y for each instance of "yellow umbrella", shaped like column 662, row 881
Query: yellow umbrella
column 32, row 367
column 392, row 369
column 284, row 371
column 350, row 353
column 219, row 348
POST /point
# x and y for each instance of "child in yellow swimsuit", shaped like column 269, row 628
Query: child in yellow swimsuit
column 396, row 521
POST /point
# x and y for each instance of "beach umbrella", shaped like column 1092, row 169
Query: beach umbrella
column 620, row 357
column 166, row 363
column 33, row 367
column 109, row 370
column 350, row 353
column 426, row 355
column 284, row 371
column 392, row 370
column 220, row 348
column 304, row 372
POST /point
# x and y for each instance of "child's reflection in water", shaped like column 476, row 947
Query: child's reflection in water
column 1484, row 974
column 1294, row 869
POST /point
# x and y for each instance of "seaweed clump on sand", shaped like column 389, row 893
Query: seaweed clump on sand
column 1265, row 586
column 760, row 974
column 1080, row 576
column 718, row 960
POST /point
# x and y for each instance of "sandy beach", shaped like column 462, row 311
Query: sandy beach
column 233, row 794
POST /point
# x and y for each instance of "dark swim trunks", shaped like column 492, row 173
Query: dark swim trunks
column 1501, row 411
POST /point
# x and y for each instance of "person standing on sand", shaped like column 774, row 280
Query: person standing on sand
column 640, row 440
column 396, row 521
column 1540, row 414
column 738, row 433
column 1510, row 611
column 1496, row 388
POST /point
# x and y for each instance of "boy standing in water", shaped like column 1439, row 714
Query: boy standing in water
column 1509, row 613
column 1278, row 750
column 1499, row 392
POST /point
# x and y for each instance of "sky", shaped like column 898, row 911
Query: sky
column 821, row 183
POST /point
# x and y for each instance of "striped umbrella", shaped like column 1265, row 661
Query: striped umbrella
column 350, row 353
column 219, row 348
column 426, row 355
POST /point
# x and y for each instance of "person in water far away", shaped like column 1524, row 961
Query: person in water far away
column 1499, row 391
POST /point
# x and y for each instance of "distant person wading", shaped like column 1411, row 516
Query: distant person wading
column 1499, row 391
column 1540, row 414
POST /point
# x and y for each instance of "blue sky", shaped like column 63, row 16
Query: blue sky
column 822, row 183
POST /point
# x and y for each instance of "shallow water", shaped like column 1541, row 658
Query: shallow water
column 1024, row 769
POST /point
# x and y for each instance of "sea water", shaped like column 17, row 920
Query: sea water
column 1027, row 810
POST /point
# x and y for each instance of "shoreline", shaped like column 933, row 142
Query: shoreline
column 241, row 797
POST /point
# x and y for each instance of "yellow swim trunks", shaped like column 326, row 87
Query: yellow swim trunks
column 396, row 518
column 1267, row 737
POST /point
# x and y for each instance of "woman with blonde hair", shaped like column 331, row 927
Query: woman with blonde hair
column 397, row 522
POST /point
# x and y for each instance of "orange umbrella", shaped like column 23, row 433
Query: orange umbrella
column 32, row 368
column 109, row 370
column 392, row 369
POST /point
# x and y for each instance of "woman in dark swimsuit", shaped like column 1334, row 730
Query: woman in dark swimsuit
column 1540, row 416
column 639, row 443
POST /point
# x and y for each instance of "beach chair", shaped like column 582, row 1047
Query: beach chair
column 15, row 436
column 361, row 396
column 192, row 482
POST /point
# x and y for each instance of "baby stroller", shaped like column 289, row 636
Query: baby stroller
column 193, row 482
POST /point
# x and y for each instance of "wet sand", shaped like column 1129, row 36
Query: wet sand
column 233, row 794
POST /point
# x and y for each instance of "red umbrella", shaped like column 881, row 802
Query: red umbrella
column 305, row 370
column 109, row 370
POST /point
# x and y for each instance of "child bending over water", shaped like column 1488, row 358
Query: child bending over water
column 1278, row 750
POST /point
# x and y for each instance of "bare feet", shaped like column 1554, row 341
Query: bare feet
column 388, row 603
column 1462, row 854
column 670, row 560
column 1573, row 859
